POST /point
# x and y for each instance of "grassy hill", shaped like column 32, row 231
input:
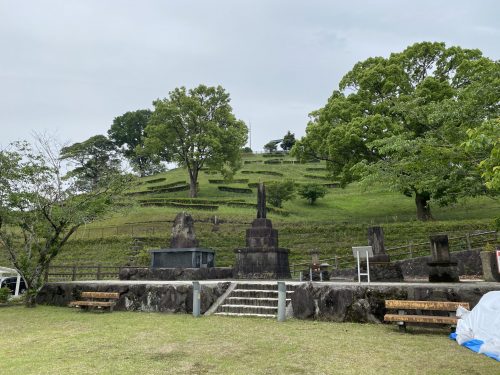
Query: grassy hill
column 332, row 225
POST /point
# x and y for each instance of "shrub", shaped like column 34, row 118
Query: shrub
column 316, row 177
column 235, row 189
column 272, row 161
column 4, row 294
column 155, row 180
column 272, row 173
column 170, row 184
column 312, row 192
column 279, row 192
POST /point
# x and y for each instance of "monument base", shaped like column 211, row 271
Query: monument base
column 443, row 272
column 252, row 263
column 490, row 268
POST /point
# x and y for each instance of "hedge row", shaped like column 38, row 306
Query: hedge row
column 235, row 189
column 155, row 180
column 256, row 184
column 316, row 177
column 272, row 173
column 237, row 181
column 197, row 200
column 252, row 161
column 194, row 206
column 176, row 183
column 171, row 189
column 332, row 185
column 275, row 210
column 315, row 169
column 275, row 155
column 210, row 172
column 273, row 161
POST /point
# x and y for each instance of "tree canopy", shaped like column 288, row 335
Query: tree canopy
column 128, row 132
column 288, row 141
column 197, row 129
column 402, row 120
column 40, row 210
column 94, row 160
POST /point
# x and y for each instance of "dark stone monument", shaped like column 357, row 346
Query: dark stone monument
column 381, row 269
column 491, row 270
column 376, row 241
column 262, row 257
column 184, row 251
column 441, row 268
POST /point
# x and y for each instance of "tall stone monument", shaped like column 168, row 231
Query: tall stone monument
column 441, row 268
column 262, row 258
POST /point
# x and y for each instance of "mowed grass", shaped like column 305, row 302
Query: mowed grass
column 55, row 340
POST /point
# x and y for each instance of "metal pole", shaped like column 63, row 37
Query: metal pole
column 301, row 275
column 196, row 299
column 368, row 267
column 359, row 269
column 18, row 283
column 310, row 274
column 281, row 301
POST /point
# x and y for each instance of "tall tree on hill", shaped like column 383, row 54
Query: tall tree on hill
column 402, row 120
column 40, row 210
column 94, row 160
column 128, row 132
column 197, row 129
column 288, row 141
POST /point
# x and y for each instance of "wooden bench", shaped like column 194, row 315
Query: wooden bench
column 402, row 306
column 98, row 300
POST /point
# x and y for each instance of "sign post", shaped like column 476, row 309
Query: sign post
column 368, row 252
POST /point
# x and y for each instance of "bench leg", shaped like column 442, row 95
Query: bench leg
column 402, row 326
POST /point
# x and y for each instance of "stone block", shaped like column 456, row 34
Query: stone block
column 443, row 272
column 490, row 267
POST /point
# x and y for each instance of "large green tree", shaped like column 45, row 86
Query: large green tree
column 94, row 160
column 197, row 129
column 402, row 120
column 40, row 210
column 128, row 132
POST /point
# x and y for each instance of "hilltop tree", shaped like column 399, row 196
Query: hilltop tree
column 197, row 129
column 271, row 146
column 128, row 132
column 94, row 160
column 40, row 210
column 288, row 141
column 402, row 120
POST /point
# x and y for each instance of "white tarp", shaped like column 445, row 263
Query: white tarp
column 481, row 323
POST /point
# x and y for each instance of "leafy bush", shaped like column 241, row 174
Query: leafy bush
column 316, row 177
column 4, row 294
column 235, row 189
column 312, row 192
column 279, row 192
column 272, row 173
column 170, row 184
column 155, row 180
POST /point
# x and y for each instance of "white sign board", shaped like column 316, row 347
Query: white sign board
column 362, row 250
column 498, row 260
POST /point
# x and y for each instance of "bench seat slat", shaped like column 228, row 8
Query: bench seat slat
column 107, row 295
column 420, row 319
column 91, row 303
column 425, row 305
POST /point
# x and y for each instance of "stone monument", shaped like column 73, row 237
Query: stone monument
column 441, row 268
column 381, row 269
column 262, row 257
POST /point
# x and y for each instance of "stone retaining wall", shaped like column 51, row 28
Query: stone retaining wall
column 170, row 274
column 364, row 303
column 171, row 298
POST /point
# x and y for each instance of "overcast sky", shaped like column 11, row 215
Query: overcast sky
column 69, row 67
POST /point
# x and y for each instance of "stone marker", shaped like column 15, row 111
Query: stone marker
column 183, row 232
column 490, row 266
column 262, row 257
column 376, row 241
column 441, row 268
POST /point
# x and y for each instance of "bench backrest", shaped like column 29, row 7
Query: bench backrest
column 425, row 305
column 106, row 295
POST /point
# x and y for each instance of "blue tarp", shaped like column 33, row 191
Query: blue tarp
column 475, row 346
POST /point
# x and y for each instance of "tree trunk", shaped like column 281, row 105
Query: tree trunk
column 30, row 298
column 193, row 179
column 423, row 208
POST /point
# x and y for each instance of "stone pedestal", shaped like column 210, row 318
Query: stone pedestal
column 262, row 258
column 490, row 267
column 388, row 272
column 441, row 268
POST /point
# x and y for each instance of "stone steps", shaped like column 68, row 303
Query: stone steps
column 253, row 299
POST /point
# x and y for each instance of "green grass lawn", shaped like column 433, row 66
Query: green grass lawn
column 55, row 340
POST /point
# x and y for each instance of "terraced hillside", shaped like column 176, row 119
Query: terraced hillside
column 332, row 225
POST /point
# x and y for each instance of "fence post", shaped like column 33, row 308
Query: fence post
column 98, row 276
column 281, row 301
column 73, row 276
column 336, row 262
column 196, row 299
column 467, row 238
column 410, row 245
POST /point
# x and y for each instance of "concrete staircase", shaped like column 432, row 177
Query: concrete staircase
column 253, row 299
